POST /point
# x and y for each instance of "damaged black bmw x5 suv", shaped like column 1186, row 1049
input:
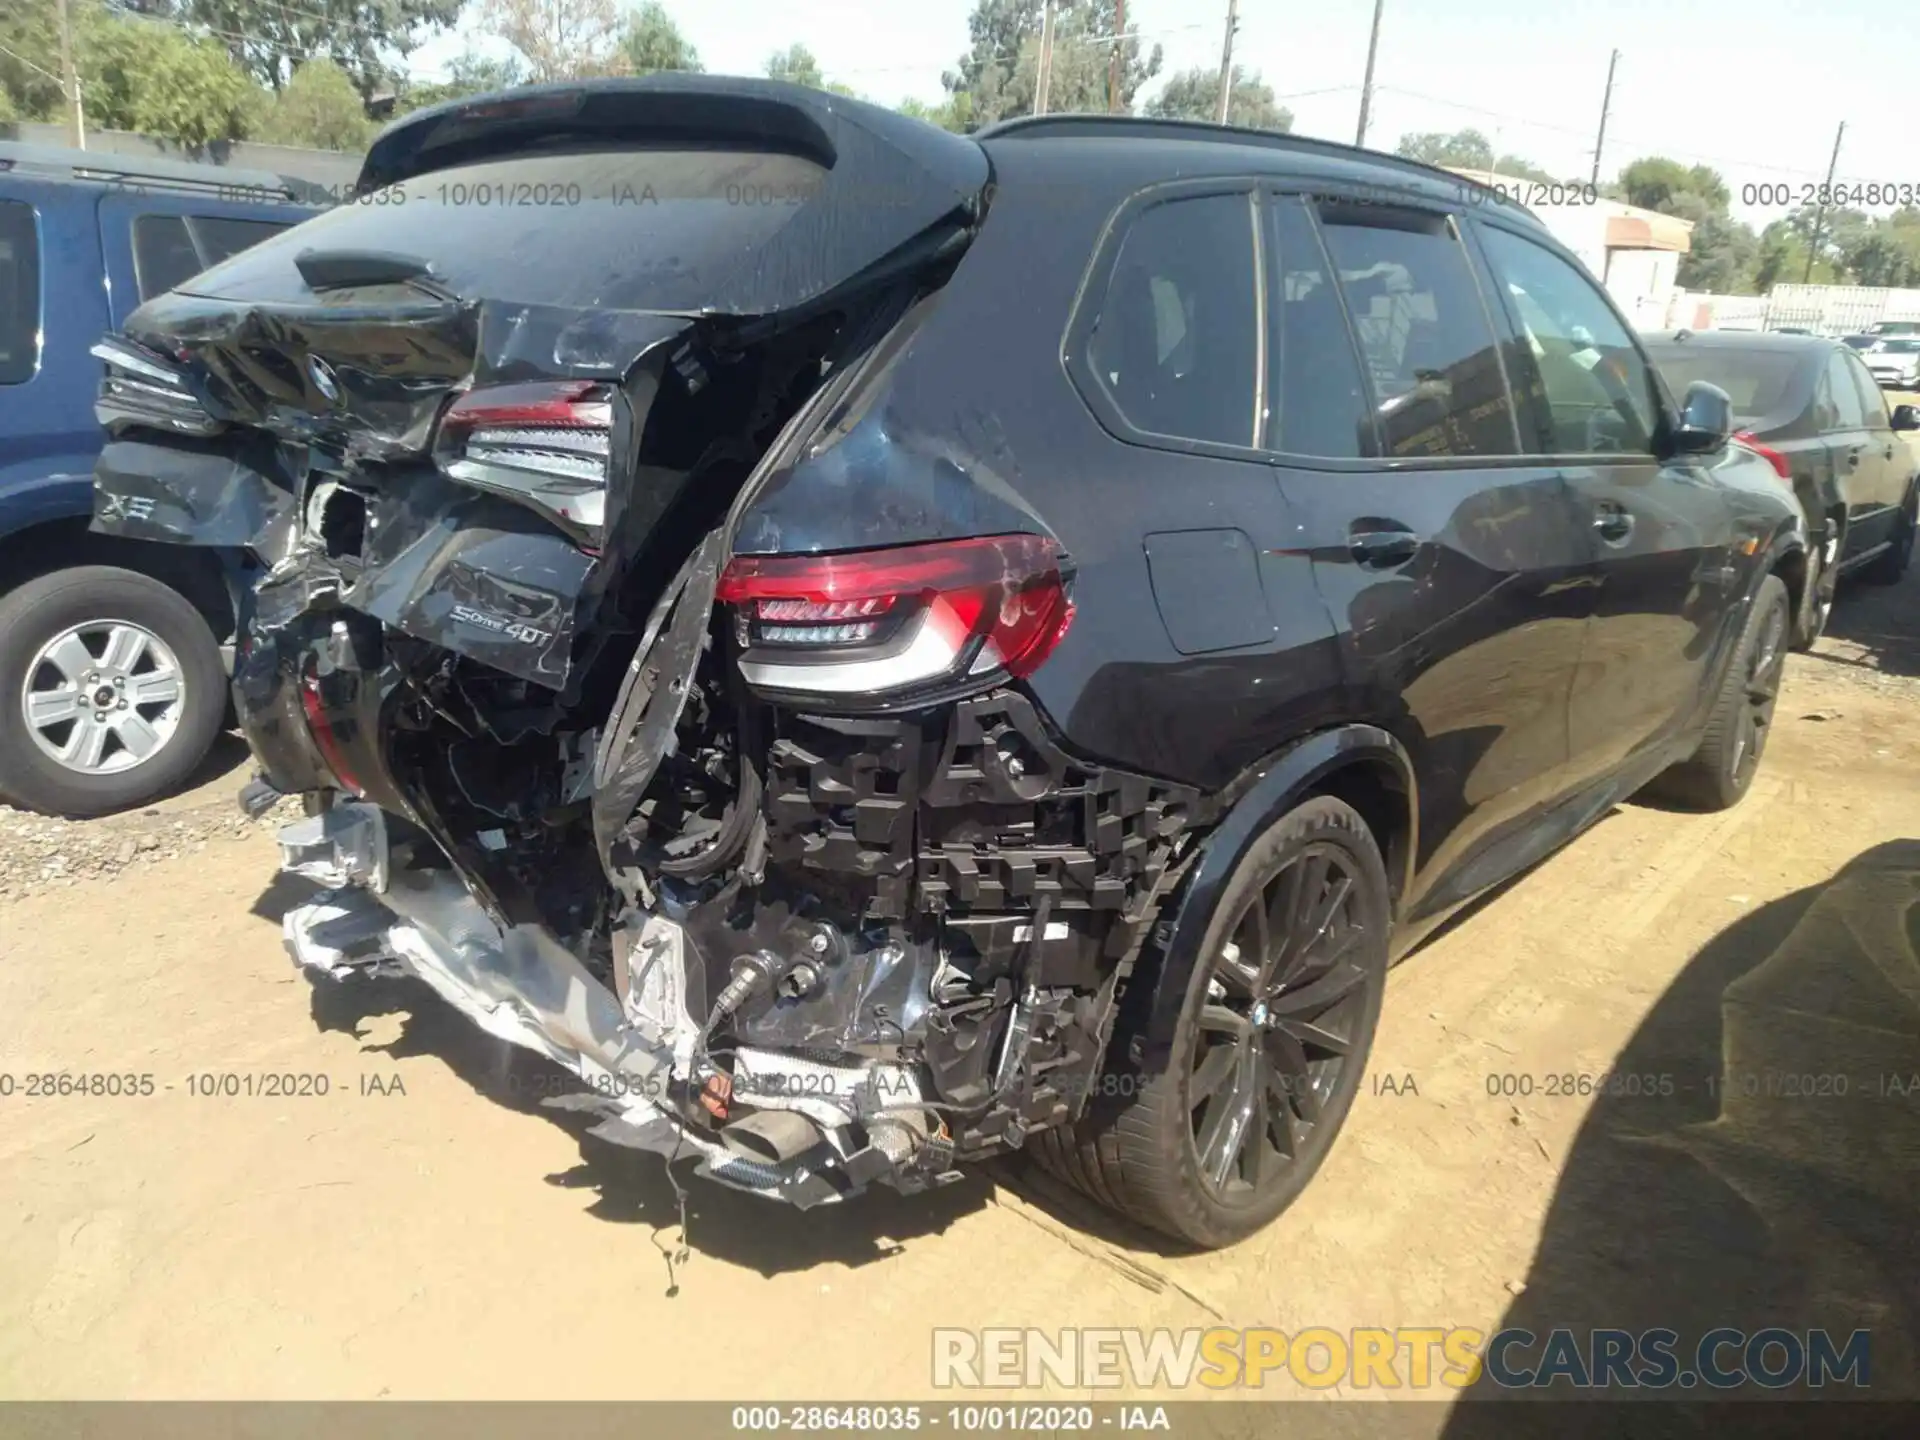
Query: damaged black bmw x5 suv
column 876, row 648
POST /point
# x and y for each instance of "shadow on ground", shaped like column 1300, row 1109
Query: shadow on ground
column 1874, row 627
column 1764, row 1167
column 224, row 757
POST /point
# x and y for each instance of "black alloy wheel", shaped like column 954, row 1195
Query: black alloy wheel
column 1284, row 1009
column 1224, row 1122
column 1722, row 768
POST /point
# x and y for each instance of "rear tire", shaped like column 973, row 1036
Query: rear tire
column 173, row 690
column 1891, row 563
column 1269, row 1049
column 1816, row 607
column 1719, row 773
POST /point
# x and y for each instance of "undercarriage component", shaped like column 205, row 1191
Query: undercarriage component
column 802, row 1129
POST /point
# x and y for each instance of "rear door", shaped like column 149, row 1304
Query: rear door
column 1871, row 460
column 51, row 310
column 1662, row 531
column 1452, row 564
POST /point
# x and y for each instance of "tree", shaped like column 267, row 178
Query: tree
column 796, row 65
column 1460, row 149
column 1721, row 251
column 998, row 74
column 1195, row 95
column 1651, row 182
column 467, row 75
column 651, row 42
column 135, row 73
column 366, row 38
column 157, row 80
column 955, row 113
column 30, row 55
column 320, row 109
column 1468, row 150
column 558, row 39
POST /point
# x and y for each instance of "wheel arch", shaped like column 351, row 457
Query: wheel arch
column 63, row 542
column 1362, row 765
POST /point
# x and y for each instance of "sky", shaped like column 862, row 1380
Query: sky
column 1755, row 88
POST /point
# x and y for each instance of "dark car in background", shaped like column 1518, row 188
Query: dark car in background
column 1811, row 407
column 991, row 642
column 112, row 683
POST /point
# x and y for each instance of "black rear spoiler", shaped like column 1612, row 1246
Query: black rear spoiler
column 674, row 110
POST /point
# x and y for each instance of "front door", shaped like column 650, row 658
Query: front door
column 1665, row 586
column 1452, row 564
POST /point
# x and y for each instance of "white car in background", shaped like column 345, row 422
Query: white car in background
column 1895, row 362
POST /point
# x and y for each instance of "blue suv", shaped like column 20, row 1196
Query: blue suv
column 111, row 666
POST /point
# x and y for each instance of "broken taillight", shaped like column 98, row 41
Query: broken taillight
column 143, row 387
column 320, row 726
column 878, row 622
column 545, row 444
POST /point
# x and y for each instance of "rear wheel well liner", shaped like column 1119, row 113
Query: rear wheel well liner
column 1362, row 765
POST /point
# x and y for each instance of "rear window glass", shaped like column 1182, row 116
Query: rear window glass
column 1759, row 382
column 19, row 293
column 1899, row 347
column 163, row 254
column 634, row 229
column 220, row 236
column 169, row 250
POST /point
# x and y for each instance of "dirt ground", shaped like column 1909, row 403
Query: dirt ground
column 427, row 1229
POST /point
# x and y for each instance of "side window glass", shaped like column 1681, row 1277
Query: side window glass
column 1595, row 384
column 1873, row 404
column 1425, row 340
column 1318, row 402
column 219, row 237
column 1826, row 414
column 19, row 293
column 1848, row 412
column 1174, row 343
column 163, row 254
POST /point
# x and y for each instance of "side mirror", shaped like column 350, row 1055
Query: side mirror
column 1706, row 420
column 1906, row 417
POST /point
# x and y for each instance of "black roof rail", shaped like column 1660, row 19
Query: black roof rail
column 112, row 168
column 1144, row 127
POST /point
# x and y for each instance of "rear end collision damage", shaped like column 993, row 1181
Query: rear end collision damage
column 772, row 849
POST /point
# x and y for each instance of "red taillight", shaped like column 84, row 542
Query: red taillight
column 1773, row 457
column 321, row 728
column 878, row 621
column 545, row 444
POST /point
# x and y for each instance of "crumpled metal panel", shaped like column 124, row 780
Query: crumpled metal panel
column 472, row 573
column 653, row 695
column 188, row 494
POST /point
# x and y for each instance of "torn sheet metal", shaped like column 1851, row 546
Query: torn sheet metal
column 190, row 493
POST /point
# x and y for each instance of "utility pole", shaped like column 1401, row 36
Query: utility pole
column 1113, row 58
column 1226, row 60
column 1366, row 85
column 1606, row 105
column 1820, row 214
column 70, row 82
column 1045, row 76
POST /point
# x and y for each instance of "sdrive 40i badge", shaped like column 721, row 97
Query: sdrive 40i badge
column 512, row 629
